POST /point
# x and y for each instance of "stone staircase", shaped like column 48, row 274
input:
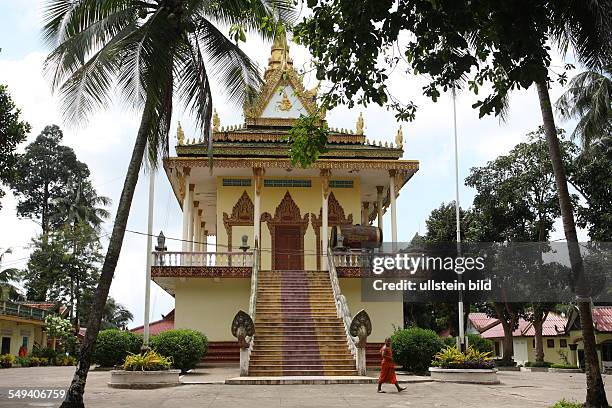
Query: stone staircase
column 297, row 332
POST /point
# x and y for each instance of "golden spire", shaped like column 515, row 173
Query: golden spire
column 279, row 55
column 215, row 121
column 399, row 138
column 180, row 135
column 360, row 124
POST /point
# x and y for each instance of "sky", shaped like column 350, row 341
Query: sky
column 105, row 143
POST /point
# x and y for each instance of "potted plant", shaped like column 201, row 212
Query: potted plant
column 471, row 366
column 148, row 370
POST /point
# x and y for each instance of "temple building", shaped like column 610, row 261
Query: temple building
column 271, row 222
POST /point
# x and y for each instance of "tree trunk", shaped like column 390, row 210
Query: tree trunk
column 596, row 394
column 74, row 396
column 538, row 322
column 508, row 341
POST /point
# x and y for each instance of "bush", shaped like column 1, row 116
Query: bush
column 24, row 361
column 567, row 404
column 451, row 357
column 64, row 361
column 538, row 364
column 112, row 346
column 7, row 360
column 481, row 344
column 414, row 348
column 44, row 352
column 449, row 341
column 185, row 347
column 149, row 361
column 39, row 361
column 563, row 366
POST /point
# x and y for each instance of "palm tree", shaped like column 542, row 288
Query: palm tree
column 116, row 316
column 589, row 99
column 150, row 51
column 82, row 205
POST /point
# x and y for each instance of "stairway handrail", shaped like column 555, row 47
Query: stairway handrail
column 253, row 298
column 342, row 308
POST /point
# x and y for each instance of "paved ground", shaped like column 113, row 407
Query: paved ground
column 518, row 390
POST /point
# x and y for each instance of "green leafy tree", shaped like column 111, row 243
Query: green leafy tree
column 155, row 52
column 82, row 204
column 502, row 44
column 588, row 98
column 591, row 177
column 13, row 131
column 43, row 174
column 116, row 316
column 57, row 328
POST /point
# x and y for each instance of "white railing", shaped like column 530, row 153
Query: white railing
column 342, row 308
column 169, row 258
column 253, row 300
column 348, row 259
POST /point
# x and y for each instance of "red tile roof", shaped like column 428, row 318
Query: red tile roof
column 525, row 328
column 162, row 325
column 602, row 319
column 481, row 321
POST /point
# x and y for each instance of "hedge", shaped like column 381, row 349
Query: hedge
column 186, row 347
column 113, row 345
column 480, row 344
column 414, row 348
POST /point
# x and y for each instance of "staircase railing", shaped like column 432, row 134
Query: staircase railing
column 342, row 308
column 253, row 299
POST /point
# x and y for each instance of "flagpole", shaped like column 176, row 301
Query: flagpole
column 458, row 220
column 145, row 337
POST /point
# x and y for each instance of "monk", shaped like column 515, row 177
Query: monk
column 387, row 368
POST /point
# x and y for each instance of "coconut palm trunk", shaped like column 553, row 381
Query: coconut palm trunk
column 74, row 396
column 596, row 394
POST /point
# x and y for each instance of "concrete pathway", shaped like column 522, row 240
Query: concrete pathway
column 518, row 390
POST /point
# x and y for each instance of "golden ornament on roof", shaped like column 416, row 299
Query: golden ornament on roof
column 360, row 124
column 284, row 104
column 215, row 121
column 399, row 138
column 180, row 135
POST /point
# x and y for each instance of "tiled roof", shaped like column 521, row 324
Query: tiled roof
column 552, row 323
column 602, row 319
column 162, row 325
column 481, row 321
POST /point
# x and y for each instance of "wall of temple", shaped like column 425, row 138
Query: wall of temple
column 385, row 316
column 209, row 305
column 308, row 200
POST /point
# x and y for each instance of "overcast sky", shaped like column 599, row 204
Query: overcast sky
column 105, row 144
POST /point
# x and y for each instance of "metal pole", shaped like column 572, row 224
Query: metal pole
column 458, row 220
column 145, row 337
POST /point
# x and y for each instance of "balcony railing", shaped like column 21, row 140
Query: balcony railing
column 23, row 311
column 346, row 259
column 205, row 259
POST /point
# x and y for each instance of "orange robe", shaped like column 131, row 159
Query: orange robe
column 387, row 367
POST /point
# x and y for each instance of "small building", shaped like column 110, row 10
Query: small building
column 555, row 341
column 22, row 324
column 602, row 323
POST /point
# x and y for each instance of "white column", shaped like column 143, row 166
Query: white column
column 204, row 237
column 195, row 220
column 393, row 207
column 324, row 216
column 379, row 200
column 186, row 211
column 199, row 232
column 190, row 227
column 365, row 213
column 257, row 186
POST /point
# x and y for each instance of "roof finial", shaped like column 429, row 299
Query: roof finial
column 215, row 121
column 180, row 135
column 360, row 124
column 399, row 138
column 279, row 56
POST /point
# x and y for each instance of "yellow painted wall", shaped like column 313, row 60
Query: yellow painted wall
column 308, row 200
column 385, row 316
column 551, row 354
column 16, row 331
column 209, row 305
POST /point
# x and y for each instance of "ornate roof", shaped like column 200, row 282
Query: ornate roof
column 269, row 117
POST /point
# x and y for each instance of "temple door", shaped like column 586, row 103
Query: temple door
column 287, row 248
